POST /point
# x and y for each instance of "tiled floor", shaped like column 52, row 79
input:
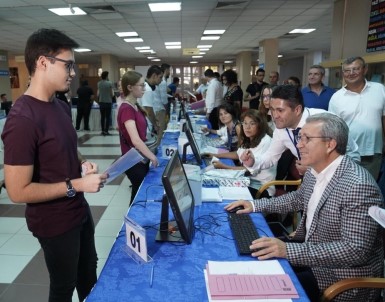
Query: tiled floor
column 23, row 275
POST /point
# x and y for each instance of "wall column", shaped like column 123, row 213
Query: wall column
column 243, row 61
column 268, row 56
column 110, row 64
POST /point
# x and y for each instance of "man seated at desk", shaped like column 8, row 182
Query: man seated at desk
column 336, row 238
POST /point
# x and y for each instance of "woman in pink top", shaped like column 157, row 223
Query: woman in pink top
column 132, row 128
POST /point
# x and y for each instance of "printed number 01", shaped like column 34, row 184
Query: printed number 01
column 169, row 152
column 134, row 241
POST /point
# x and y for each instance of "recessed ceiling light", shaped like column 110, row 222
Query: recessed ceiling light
column 228, row 62
column 302, row 30
column 193, row 62
column 202, row 53
column 197, row 57
column 155, row 60
column 172, row 43
column 82, row 49
column 165, row 7
column 280, row 56
column 204, row 49
column 133, row 40
column 173, row 47
column 142, row 47
column 150, row 58
column 204, row 46
column 68, row 11
column 127, row 34
column 214, row 32
column 146, row 51
column 210, row 38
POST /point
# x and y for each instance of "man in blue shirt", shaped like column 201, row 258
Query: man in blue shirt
column 316, row 94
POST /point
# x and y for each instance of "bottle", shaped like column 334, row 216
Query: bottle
column 173, row 117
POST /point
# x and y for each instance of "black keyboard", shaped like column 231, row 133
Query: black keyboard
column 244, row 232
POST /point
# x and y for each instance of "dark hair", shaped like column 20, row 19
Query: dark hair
column 229, row 108
column 262, row 109
column 231, row 76
column 217, row 75
column 209, row 73
column 84, row 83
column 3, row 94
column 104, row 75
column 259, row 70
column 291, row 94
column 165, row 66
column 45, row 42
column 295, row 80
column 262, row 129
column 175, row 80
column 154, row 69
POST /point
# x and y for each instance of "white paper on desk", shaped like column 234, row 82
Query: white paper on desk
column 243, row 300
column 377, row 214
column 225, row 173
column 211, row 195
column 125, row 162
column 235, row 193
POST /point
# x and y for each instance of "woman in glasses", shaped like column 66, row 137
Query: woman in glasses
column 264, row 107
column 133, row 128
column 230, row 127
column 255, row 138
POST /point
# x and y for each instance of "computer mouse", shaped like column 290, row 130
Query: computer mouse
column 236, row 209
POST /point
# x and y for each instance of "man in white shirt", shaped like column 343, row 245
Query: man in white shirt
column 161, row 100
column 214, row 97
column 289, row 115
column 361, row 104
column 153, row 78
column 336, row 238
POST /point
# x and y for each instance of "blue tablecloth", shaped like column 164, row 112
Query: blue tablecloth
column 178, row 268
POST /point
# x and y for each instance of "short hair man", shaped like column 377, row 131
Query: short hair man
column 316, row 94
column 85, row 100
column 289, row 115
column 5, row 104
column 274, row 78
column 361, row 104
column 42, row 169
column 105, row 93
column 153, row 78
column 336, row 237
column 214, row 97
column 161, row 101
column 253, row 91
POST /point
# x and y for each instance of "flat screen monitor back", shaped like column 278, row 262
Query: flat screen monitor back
column 181, row 200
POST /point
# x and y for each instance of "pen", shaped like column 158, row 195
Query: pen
column 152, row 275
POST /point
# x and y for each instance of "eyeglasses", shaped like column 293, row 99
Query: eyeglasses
column 266, row 96
column 141, row 85
column 251, row 124
column 305, row 139
column 353, row 70
column 69, row 64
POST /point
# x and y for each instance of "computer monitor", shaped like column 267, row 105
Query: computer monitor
column 181, row 200
column 194, row 147
column 188, row 123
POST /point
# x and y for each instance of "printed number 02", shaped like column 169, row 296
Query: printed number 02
column 134, row 241
column 169, row 152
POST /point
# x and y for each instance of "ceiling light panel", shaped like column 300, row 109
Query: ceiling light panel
column 302, row 30
column 133, row 40
column 214, row 32
column 127, row 34
column 68, row 11
column 210, row 38
column 165, row 7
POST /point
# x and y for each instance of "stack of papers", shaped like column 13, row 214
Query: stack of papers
column 248, row 281
column 218, row 194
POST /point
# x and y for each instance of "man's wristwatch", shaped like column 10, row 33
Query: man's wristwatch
column 71, row 192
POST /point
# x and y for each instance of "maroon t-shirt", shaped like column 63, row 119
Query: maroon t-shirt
column 41, row 134
column 127, row 112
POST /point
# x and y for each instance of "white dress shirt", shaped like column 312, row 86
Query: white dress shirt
column 322, row 180
column 214, row 95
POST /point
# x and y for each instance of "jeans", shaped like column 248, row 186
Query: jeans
column 71, row 262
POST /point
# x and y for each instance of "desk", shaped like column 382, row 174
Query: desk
column 178, row 268
column 94, row 118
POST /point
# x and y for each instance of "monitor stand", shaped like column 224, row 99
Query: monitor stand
column 168, row 230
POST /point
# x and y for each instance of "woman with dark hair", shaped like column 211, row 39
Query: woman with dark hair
column 234, row 94
column 253, row 137
column 133, row 128
column 229, row 126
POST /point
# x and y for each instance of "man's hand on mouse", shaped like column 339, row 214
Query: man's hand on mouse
column 248, row 207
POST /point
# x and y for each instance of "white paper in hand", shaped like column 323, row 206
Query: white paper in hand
column 377, row 214
column 124, row 163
